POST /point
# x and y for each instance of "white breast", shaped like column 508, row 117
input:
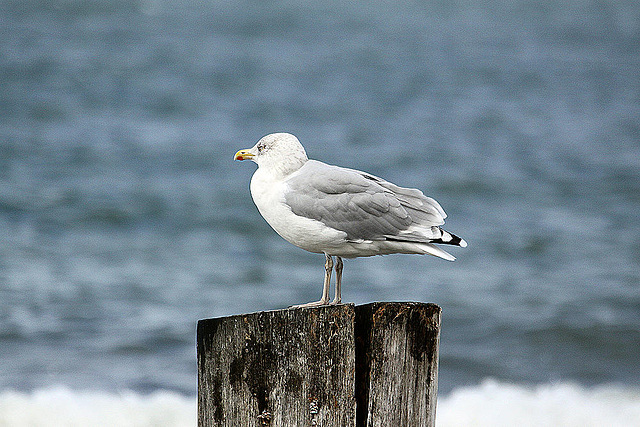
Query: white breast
column 308, row 234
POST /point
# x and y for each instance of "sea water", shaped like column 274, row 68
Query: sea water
column 490, row 404
column 124, row 220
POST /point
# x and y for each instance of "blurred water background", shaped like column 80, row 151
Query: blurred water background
column 124, row 220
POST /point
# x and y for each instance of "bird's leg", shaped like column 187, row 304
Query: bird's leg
column 328, row 266
column 338, row 297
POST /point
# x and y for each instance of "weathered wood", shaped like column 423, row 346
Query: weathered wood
column 277, row 368
column 397, row 364
column 344, row 365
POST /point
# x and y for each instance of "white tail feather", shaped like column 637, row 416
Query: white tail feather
column 436, row 251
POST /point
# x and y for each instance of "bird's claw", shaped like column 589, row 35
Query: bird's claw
column 311, row 304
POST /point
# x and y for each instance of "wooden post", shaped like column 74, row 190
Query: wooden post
column 344, row 365
column 397, row 364
column 277, row 368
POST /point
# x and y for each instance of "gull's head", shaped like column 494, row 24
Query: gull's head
column 280, row 152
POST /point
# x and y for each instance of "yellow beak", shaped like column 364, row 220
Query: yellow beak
column 243, row 155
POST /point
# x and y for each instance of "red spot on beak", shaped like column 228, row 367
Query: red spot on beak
column 243, row 155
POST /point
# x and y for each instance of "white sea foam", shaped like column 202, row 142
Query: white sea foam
column 497, row 404
column 491, row 403
column 61, row 407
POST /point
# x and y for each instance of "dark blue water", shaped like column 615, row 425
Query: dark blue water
column 124, row 220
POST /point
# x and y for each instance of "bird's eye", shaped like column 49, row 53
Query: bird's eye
column 260, row 147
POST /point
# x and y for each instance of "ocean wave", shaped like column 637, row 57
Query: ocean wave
column 562, row 404
column 62, row 407
column 491, row 403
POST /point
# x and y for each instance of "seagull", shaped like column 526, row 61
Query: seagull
column 340, row 212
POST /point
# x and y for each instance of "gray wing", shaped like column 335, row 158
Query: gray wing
column 362, row 205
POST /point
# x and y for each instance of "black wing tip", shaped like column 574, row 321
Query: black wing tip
column 450, row 239
column 446, row 239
